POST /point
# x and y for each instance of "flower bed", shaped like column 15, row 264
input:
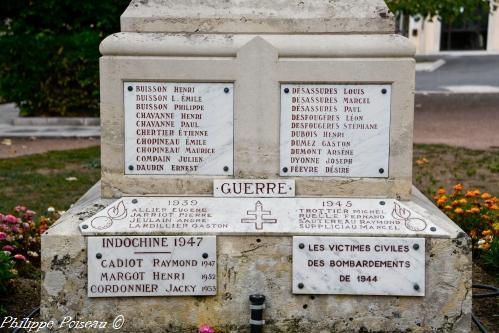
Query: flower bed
column 477, row 214
column 20, row 244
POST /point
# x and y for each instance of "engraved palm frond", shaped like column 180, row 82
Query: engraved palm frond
column 117, row 212
column 411, row 223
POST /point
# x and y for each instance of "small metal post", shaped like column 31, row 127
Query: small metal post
column 256, row 307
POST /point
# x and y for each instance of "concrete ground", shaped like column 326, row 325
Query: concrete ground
column 461, row 73
column 462, row 120
column 8, row 114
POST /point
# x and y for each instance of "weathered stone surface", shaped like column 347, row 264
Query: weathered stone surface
column 248, row 265
column 257, row 16
column 273, row 59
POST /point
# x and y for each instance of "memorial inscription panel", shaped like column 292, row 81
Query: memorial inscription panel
column 359, row 266
column 340, row 130
column 178, row 128
column 242, row 216
column 152, row 266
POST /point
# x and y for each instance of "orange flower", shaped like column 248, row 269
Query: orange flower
column 486, row 232
column 475, row 210
column 486, row 196
column 470, row 194
column 494, row 207
column 458, row 187
column 448, row 207
column 455, row 202
column 463, row 201
column 442, row 200
column 458, row 210
column 473, row 233
column 484, row 246
column 422, row 161
column 441, row 191
column 491, row 201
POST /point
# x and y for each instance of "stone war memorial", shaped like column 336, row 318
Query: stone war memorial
column 256, row 177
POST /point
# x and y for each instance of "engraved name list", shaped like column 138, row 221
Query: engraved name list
column 335, row 130
column 178, row 128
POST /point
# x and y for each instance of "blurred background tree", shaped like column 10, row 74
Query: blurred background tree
column 448, row 10
column 49, row 54
column 464, row 22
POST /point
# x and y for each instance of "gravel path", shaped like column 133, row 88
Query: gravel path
column 460, row 120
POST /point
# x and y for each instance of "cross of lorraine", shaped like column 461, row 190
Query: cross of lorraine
column 260, row 216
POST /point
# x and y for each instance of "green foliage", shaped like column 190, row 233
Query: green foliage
column 50, row 51
column 448, row 10
column 6, row 271
column 490, row 259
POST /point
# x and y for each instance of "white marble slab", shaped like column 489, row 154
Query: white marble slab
column 174, row 128
column 359, row 266
column 242, row 216
column 253, row 188
column 152, row 266
column 340, row 130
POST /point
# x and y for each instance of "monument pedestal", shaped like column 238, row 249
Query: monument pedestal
column 253, row 147
column 261, row 264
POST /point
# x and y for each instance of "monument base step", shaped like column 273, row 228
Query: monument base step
column 257, row 264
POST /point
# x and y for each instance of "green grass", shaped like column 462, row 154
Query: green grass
column 39, row 181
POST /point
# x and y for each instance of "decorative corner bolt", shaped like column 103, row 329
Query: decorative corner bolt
column 257, row 305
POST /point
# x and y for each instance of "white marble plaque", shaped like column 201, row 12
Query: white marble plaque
column 256, row 188
column 359, row 266
column 273, row 216
column 176, row 128
column 340, row 130
column 152, row 266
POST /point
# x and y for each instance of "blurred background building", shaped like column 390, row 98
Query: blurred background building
column 436, row 35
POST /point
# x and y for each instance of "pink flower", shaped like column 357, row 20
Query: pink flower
column 20, row 257
column 20, row 208
column 4, row 227
column 28, row 216
column 10, row 219
column 206, row 329
column 3, row 235
column 9, row 248
column 14, row 229
column 26, row 225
